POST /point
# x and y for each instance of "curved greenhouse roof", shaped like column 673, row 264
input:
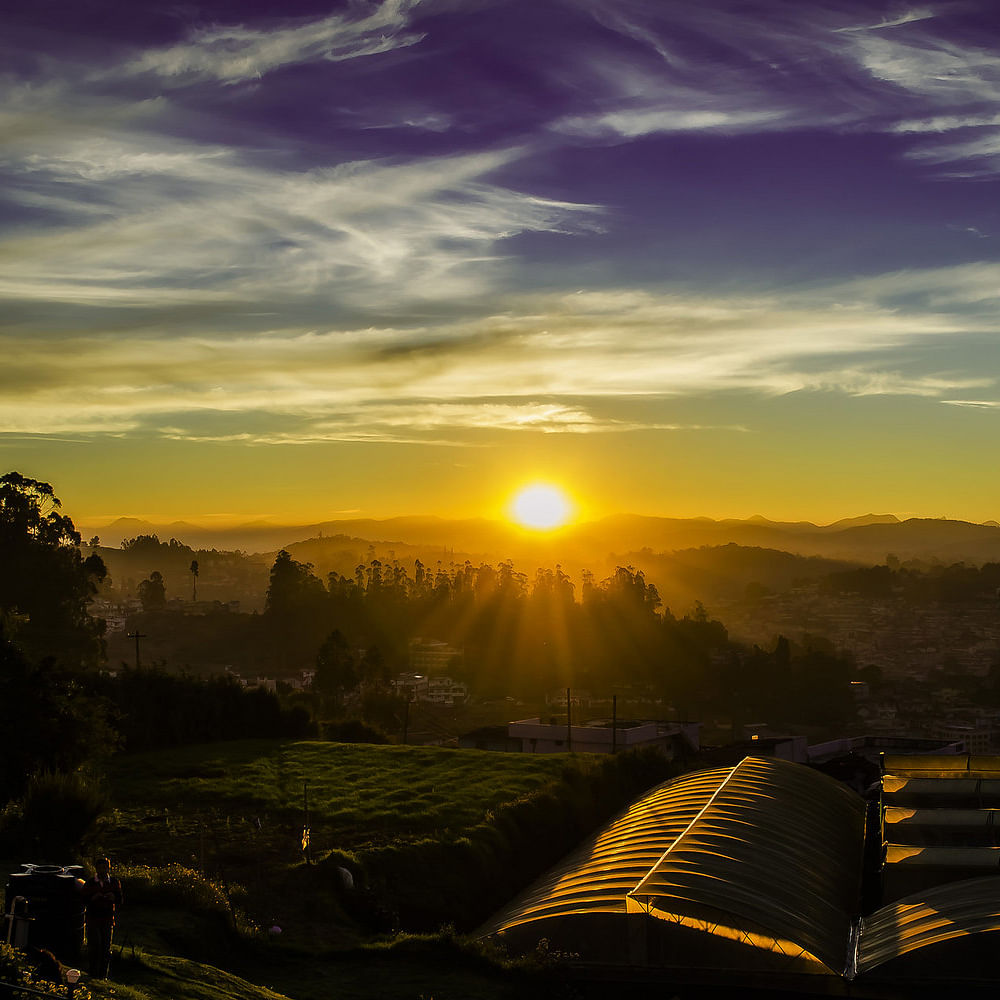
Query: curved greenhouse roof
column 931, row 917
column 598, row 876
column 767, row 852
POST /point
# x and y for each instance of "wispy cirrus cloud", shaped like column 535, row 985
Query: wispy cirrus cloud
column 645, row 121
column 904, row 17
column 717, row 68
column 552, row 363
column 951, row 73
column 233, row 53
column 163, row 226
column 714, row 68
column 493, row 224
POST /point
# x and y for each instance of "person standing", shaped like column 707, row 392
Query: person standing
column 103, row 896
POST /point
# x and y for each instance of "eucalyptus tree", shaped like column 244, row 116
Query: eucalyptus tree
column 46, row 585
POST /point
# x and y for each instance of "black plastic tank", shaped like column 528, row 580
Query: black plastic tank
column 55, row 907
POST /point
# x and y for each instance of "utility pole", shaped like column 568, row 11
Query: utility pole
column 137, row 635
column 569, row 722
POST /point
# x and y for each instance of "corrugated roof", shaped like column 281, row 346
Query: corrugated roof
column 768, row 851
column 940, row 785
column 983, row 856
column 776, row 851
column 597, row 876
column 907, row 816
column 934, row 915
column 941, row 765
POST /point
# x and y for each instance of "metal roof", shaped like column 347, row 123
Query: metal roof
column 597, row 876
column 775, row 853
column 930, row 917
column 768, row 851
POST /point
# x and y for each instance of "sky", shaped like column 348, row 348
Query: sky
column 307, row 260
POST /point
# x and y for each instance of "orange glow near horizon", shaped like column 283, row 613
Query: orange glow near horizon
column 541, row 507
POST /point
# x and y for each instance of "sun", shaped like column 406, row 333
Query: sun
column 541, row 507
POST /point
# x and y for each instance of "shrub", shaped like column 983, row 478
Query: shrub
column 177, row 886
column 18, row 969
column 11, row 962
column 58, row 816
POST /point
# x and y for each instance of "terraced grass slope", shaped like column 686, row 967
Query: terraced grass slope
column 358, row 794
column 410, row 837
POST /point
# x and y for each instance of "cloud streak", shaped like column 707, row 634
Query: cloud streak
column 548, row 363
column 165, row 225
column 790, row 67
column 231, row 54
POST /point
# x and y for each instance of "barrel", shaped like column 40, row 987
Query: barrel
column 55, row 906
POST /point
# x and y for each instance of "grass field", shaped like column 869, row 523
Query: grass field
column 208, row 840
column 406, row 823
column 433, row 968
column 236, row 811
column 357, row 794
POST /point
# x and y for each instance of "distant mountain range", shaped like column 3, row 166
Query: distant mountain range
column 867, row 539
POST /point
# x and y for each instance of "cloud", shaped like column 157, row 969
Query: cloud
column 946, row 123
column 979, row 156
column 951, row 73
column 549, row 362
column 709, row 68
column 164, row 225
column 906, row 17
column 189, row 287
column 232, row 53
column 787, row 66
column 956, row 77
column 630, row 124
column 964, row 288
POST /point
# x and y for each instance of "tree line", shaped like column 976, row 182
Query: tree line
column 521, row 637
column 59, row 707
column 525, row 637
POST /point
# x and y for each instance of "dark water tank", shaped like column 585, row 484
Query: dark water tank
column 55, row 907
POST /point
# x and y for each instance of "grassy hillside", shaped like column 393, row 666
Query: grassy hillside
column 401, row 837
column 358, row 793
column 407, row 969
column 208, row 841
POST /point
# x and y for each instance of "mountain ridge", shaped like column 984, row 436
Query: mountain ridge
column 866, row 538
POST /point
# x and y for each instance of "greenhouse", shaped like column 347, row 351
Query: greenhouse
column 759, row 870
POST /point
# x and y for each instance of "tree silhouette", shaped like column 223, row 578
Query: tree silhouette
column 295, row 610
column 194, row 580
column 152, row 592
column 51, row 720
column 336, row 669
column 45, row 583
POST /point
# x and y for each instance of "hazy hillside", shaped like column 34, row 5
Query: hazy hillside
column 594, row 544
column 725, row 572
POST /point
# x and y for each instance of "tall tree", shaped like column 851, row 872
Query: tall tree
column 153, row 592
column 45, row 583
column 194, row 580
column 294, row 611
column 49, row 719
column 336, row 667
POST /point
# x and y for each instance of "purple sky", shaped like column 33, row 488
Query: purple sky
column 277, row 259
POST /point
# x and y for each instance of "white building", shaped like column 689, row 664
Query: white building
column 436, row 690
column 445, row 691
